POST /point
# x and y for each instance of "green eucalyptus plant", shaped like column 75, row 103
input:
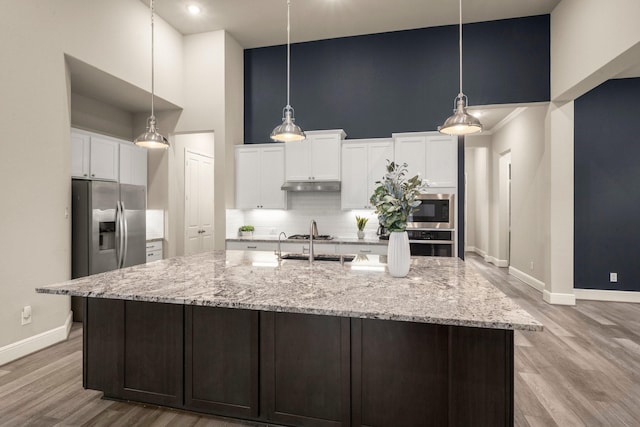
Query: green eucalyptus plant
column 395, row 197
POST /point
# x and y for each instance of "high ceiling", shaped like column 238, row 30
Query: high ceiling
column 257, row 23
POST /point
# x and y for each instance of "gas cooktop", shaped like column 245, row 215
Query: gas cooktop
column 307, row 236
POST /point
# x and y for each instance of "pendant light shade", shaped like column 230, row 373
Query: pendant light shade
column 461, row 123
column 152, row 138
column 288, row 130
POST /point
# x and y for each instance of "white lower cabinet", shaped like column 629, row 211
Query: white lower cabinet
column 154, row 250
column 356, row 249
column 363, row 163
column 259, row 176
column 285, row 246
column 251, row 246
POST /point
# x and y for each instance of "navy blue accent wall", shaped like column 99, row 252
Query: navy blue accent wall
column 607, row 186
column 375, row 85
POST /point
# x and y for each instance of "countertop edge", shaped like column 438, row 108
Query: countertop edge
column 303, row 310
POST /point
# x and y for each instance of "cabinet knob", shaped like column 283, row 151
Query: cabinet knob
column 93, row 174
column 252, row 247
column 85, row 174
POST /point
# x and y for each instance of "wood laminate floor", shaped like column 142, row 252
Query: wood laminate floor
column 583, row 370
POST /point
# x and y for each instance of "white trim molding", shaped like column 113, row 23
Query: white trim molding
column 558, row 298
column 607, row 295
column 478, row 251
column 496, row 262
column 32, row 344
column 524, row 277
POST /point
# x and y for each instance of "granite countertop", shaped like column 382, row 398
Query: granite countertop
column 336, row 240
column 437, row 290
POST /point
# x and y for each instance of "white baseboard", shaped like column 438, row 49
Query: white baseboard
column 524, row 277
column 558, row 298
column 606, row 295
column 496, row 262
column 32, row 344
column 478, row 251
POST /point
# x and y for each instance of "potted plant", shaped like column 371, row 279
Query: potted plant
column 361, row 222
column 395, row 198
column 246, row 230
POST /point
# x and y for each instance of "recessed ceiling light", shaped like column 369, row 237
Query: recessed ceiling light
column 194, row 9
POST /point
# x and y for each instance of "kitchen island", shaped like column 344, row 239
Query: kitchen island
column 242, row 334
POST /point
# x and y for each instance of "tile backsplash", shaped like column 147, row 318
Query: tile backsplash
column 302, row 208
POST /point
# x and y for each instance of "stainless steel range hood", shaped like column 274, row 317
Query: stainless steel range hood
column 311, row 186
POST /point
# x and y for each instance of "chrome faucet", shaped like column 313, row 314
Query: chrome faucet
column 313, row 232
column 279, row 251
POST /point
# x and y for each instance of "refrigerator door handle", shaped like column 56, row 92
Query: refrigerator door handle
column 118, row 234
column 126, row 233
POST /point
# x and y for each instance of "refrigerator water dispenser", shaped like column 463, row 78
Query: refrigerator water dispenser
column 107, row 236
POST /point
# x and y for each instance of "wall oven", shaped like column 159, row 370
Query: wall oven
column 431, row 242
column 434, row 211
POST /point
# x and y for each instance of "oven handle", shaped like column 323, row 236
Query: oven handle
column 437, row 242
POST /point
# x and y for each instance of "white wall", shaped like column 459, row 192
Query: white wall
column 96, row 116
column 477, row 151
column 560, row 212
column 591, row 42
column 521, row 141
column 234, row 109
column 201, row 143
column 213, row 89
column 35, row 120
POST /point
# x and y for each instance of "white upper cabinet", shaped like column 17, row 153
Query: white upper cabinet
column 80, row 155
column 272, row 178
column 433, row 156
column 104, row 158
column 93, row 156
column 353, row 192
column 133, row 164
column 317, row 158
column 363, row 163
column 259, row 176
column 442, row 161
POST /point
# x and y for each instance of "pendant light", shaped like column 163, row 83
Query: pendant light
column 461, row 123
column 288, row 130
column 152, row 138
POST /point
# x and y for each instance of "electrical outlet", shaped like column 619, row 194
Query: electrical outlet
column 26, row 315
column 531, row 266
column 613, row 277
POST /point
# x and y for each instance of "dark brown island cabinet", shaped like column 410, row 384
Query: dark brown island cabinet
column 298, row 369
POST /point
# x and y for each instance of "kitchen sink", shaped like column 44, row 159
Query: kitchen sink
column 320, row 257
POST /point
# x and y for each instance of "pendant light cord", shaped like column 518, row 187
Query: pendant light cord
column 152, row 62
column 460, row 43
column 288, row 50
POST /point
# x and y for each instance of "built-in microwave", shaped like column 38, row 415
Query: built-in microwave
column 434, row 211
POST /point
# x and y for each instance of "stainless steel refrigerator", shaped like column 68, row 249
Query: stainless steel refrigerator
column 108, row 229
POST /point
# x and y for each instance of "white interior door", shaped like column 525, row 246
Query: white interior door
column 198, row 212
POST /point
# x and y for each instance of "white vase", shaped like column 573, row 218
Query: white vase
column 398, row 254
column 360, row 234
